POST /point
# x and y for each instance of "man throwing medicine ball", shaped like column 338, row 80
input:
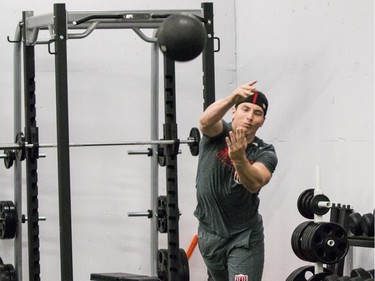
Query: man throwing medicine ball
column 234, row 164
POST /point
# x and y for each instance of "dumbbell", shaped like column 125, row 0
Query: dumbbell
column 344, row 278
column 332, row 277
column 360, row 225
column 359, row 274
column 335, row 277
column 7, row 272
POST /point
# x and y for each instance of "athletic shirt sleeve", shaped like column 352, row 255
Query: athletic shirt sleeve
column 265, row 154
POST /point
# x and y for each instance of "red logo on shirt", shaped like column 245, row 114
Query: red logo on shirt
column 223, row 157
column 241, row 277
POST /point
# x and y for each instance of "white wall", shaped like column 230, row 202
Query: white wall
column 313, row 59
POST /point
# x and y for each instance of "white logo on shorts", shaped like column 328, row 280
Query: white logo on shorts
column 241, row 277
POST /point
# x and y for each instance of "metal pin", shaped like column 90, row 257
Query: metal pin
column 25, row 219
column 140, row 214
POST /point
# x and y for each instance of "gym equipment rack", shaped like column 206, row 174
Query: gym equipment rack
column 313, row 204
column 58, row 23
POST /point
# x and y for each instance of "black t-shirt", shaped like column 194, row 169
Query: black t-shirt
column 225, row 207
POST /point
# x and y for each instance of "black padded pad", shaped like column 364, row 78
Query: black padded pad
column 121, row 277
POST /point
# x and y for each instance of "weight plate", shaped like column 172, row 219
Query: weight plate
column 308, row 201
column 196, row 136
column 303, row 203
column 9, row 158
column 319, row 276
column 184, row 266
column 8, row 220
column 327, row 243
column 162, row 160
column 21, row 152
column 314, row 204
column 302, row 273
column 299, row 273
column 163, row 264
column 162, row 214
column 306, row 242
column 297, row 239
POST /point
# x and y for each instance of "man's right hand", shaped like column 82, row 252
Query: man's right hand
column 243, row 91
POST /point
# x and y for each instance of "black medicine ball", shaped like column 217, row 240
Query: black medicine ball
column 181, row 37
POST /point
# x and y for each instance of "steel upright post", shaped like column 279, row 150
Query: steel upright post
column 154, row 175
column 62, row 119
column 170, row 132
column 31, row 136
column 17, row 101
column 208, row 59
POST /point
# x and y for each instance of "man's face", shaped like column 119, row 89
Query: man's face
column 248, row 116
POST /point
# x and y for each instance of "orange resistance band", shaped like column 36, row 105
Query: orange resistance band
column 192, row 246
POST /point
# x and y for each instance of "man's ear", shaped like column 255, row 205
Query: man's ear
column 264, row 119
column 234, row 109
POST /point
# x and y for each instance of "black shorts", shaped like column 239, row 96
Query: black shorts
column 227, row 258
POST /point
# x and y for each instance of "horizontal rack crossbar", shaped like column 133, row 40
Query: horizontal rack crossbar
column 108, row 20
column 53, row 145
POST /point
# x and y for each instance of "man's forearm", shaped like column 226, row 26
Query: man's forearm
column 210, row 122
column 252, row 176
column 215, row 112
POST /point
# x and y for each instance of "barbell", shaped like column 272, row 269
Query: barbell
column 54, row 145
column 17, row 150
